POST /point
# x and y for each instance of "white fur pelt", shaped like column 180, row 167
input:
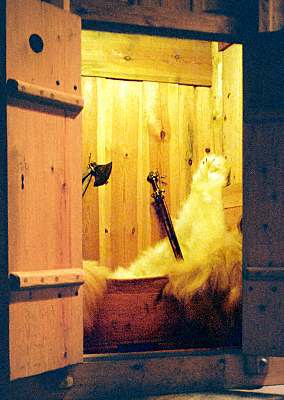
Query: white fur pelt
column 93, row 290
column 211, row 268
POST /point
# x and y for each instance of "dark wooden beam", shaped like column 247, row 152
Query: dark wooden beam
column 155, row 17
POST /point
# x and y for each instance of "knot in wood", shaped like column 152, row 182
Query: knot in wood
column 162, row 134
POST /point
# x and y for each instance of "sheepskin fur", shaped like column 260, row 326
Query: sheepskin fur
column 93, row 291
column 208, row 280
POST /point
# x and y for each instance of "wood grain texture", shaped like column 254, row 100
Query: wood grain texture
column 155, row 16
column 131, row 307
column 144, row 126
column 44, row 176
column 217, row 98
column 4, row 245
column 271, row 15
column 140, row 57
column 232, row 109
column 45, row 330
column 89, row 138
column 264, row 198
column 42, row 95
column 141, row 127
column 45, row 68
column 263, row 303
column 43, row 184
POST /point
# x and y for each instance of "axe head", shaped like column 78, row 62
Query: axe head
column 101, row 173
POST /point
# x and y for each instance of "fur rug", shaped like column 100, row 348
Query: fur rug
column 208, row 280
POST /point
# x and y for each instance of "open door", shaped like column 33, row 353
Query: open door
column 263, row 311
column 44, row 187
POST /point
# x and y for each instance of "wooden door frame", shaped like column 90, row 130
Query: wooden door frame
column 4, row 289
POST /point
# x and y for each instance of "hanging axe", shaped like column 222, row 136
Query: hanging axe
column 100, row 173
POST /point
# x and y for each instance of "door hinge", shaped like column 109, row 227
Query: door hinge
column 255, row 365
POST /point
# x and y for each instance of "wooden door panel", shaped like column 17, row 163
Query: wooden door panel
column 44, row 187
column 263, row 310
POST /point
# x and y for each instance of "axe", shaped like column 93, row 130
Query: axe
column 101, row 174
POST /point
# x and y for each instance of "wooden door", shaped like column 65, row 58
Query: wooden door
column 263, row 310
column 44, row 187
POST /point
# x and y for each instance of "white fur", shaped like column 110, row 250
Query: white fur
column 212, row 254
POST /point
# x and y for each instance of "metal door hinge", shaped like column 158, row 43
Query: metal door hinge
column 255, row 365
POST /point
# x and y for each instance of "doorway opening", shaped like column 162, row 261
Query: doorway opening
column 164, row 105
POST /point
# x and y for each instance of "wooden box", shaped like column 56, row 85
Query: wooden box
column 134, row 315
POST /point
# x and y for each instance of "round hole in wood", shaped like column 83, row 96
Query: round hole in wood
column 36, row 43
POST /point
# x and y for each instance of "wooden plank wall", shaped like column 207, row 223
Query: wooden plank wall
column 140, row 126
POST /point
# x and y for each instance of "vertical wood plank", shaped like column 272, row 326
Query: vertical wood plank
column 73, row 159
column 104, row 155
column 4, row 248
column 166, row 126
column 131, row 172
column 203, row 140
column 90, row 239
column 186, row 123
column 264, row 200
column 276, row 15
column 37, row 180
column 271, row 15
column 217, row 98
column 233, row 112
column 143, row 166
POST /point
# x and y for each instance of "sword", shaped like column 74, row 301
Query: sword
column 163, row 212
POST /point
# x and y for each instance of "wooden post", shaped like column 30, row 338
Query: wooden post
column 271, row 15
column 4, row 300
